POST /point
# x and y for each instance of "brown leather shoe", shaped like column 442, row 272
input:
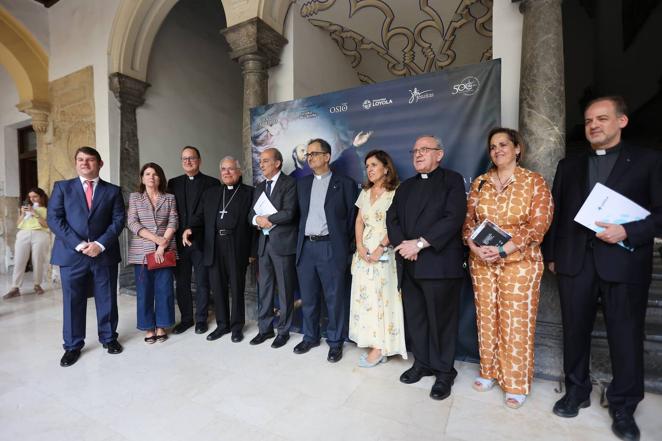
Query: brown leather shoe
column 14, row 292
column 38, row 290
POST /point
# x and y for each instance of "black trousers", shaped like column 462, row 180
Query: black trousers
column 431, row 308
column 191, row 258
column 624, row 307
column 228, row 277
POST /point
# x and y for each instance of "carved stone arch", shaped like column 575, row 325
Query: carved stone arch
column 26, row 61
column 132, row 35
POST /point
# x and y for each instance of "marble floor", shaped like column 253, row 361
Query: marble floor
column 190, row 389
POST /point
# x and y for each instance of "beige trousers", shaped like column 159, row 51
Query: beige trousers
column 37, row 243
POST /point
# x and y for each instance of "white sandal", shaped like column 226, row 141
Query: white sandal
column 515, row 401
column 481, row 384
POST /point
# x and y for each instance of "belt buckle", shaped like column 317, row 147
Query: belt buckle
column 222, row 233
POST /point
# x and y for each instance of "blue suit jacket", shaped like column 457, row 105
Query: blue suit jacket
column 340, row 215
column 72, row 222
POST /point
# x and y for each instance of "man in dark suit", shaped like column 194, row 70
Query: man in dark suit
column 229, row 242
column 591, row 266
column 188, row 189
column 324, row 249
column 424, row 223
column 276, row 248
column 86, row 214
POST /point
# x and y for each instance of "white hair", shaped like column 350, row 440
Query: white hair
column 436, row 139
column 230, row 158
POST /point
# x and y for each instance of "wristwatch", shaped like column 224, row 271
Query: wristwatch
column 502, row 252
column 420, row 244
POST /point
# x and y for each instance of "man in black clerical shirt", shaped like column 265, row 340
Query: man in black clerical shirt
column 613, row 265
column 188, row 188
column 424, row 223
column 229, row 243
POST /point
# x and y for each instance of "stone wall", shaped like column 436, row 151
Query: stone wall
column 8, row 217
column 72, row 125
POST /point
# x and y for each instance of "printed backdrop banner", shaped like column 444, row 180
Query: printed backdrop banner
column 458, row 105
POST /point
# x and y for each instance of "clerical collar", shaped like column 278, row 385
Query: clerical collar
column 230, row 187
column 325, row 175
column 427, row 175
column 610, row 151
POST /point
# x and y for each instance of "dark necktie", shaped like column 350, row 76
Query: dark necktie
column 269, row 188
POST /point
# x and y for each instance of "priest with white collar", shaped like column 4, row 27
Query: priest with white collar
column 424, row 223
column 229, row 242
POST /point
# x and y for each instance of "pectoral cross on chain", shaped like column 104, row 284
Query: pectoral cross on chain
column 222, row 213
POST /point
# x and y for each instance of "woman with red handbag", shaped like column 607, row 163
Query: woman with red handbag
column 152, row 218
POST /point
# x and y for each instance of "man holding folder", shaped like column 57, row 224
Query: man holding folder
column 275, row 213
column 591, row 266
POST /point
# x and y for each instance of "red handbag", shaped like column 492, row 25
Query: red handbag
column 169, row 260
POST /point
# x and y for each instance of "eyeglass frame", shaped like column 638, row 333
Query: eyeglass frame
column 315, row 154
column 424, row 150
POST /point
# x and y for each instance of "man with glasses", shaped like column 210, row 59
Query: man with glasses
column 424, row 223
column 324, row 249
column 276, row 248
column 188, row 189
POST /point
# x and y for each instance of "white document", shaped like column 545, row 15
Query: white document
column 264, row 207
column 605, row 205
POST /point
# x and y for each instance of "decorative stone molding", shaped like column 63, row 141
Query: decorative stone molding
column 256, row 47
column 39, row 112
column 255, row 37
column 383, row 40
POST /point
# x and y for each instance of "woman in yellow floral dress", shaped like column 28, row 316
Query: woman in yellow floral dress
column 376, row 318
column 506, row 279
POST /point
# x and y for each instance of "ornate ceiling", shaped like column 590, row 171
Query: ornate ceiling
column 387, row 39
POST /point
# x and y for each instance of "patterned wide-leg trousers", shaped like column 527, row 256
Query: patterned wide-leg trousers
column 506, row 297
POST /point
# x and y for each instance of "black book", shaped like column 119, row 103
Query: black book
column 488, row 233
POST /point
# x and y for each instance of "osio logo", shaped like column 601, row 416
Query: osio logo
column 339, row 108
column 467, row 86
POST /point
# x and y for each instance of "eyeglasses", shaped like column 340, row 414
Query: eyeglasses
column 314, row 154
column 229, row 169
column 189, row 158
column 423, row 150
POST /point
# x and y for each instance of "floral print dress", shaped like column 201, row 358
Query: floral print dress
column 376, row 317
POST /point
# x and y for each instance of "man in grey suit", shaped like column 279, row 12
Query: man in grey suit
column 276, row 249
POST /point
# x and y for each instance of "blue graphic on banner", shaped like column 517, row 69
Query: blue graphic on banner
column 458, row 105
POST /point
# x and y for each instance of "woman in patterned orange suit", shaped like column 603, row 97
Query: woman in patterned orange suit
column 506, row 279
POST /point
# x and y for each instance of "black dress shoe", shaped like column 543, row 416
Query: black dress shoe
column 114, row 347
column 623, row 425
column 217, row 333
column 261, row 338
column 305, row 346
column 441, row 389
column 201, row 327
column 414, row 375
column 181, row 327
column 280, row 341
column 568, row 407
column 69, row 357
column 335, row 354
column 237, row 336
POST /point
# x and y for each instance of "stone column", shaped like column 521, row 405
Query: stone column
column 130, row 93
column 542, row 124
column 256, row 47
column 39, row 112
